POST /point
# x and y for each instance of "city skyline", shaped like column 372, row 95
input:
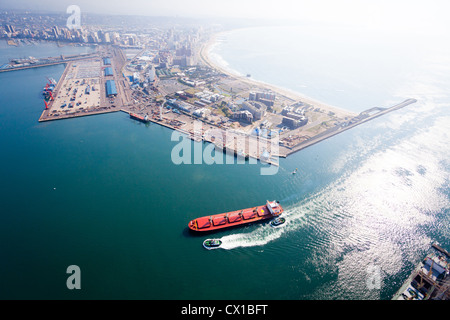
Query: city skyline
column 400, row 14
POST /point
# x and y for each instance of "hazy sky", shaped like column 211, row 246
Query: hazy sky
column 417, row 14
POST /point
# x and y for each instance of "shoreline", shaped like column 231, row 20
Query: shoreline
column 287, row 93
column 288, row 144
column 354, row 119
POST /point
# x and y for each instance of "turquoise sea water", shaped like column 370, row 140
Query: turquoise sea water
column 101, row 192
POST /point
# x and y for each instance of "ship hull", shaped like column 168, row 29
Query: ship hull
column 139, row 118
column 233, row 218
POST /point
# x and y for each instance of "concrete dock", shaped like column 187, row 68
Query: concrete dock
column 49, row 62
column 81, row 90
column 363, row 117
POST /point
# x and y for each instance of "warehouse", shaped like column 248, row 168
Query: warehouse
column 111, row 88
column 108, row 71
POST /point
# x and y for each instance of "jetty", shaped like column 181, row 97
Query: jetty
column 86, row 89
column 363, row 117
column 30, row 62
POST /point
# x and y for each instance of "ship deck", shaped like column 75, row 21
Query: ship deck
column 230, row 219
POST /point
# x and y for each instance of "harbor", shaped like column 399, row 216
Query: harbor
column 86, row 88
column 96, row 85
column 241, row 144
column 99, row 83
column 103, row 194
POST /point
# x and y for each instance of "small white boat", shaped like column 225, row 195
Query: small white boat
column 277, row 222
column 212, row 243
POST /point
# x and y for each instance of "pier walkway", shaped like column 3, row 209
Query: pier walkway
column 48, row 62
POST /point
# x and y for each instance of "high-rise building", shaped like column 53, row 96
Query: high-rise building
column 55, row 31
column 256, row 109
column 183, row 61
column 151, row 74
column 107, row 38
column 243, row 115
column 95, row 36
column 66, row 33
column 256, row 96
column 9, row 28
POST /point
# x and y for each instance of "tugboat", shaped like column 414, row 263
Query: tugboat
column 277, row 222
column 212, row 243
column 234, row 218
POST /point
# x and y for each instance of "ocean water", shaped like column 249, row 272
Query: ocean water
column 383, row 188
column 101, row 192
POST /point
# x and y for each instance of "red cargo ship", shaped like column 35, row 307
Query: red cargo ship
column 234, row 218
column 139, row 118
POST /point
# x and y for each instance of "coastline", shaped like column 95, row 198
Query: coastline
column 349, row 119
column 287, row 93
column 327, row 120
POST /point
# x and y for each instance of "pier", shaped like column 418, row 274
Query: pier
column 363, row 117
column 82, row 89
column 22, row 64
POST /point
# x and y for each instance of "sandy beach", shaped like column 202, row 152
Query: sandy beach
column 294, row 96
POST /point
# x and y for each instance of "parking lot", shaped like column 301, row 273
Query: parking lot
column 81, row 90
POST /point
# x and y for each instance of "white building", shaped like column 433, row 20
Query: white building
column 202, row 112
column 256, row 109
column 151, row 74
